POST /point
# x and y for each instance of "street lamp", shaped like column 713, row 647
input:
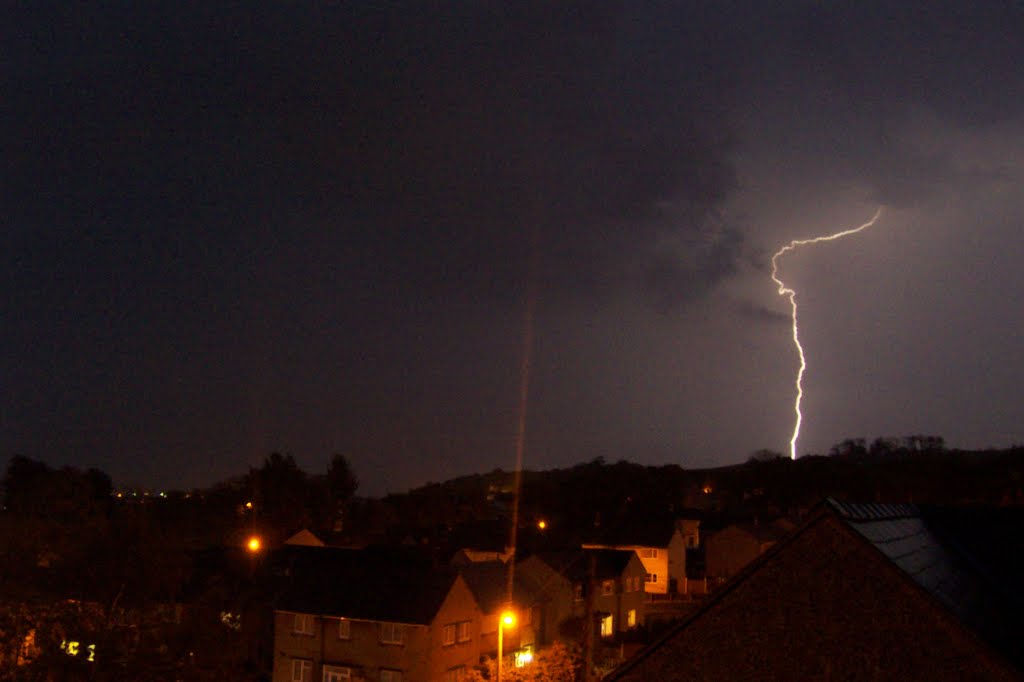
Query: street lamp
column 254, row 544
column 506, row 619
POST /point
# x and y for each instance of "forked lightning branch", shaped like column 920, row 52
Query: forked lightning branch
column 791, row 294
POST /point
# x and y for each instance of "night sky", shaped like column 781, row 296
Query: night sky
column 235, row 228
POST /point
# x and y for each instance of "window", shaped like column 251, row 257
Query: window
column 303, row 624
column 455, row 674
column 578, row 592
column 390, row 675
column 302, row 670
column 391, row 633
column 649, row 553
column 652, row 577
column 336, row 673
column 607, row 626
column 631, row 618
column 344, row 629
column 608, row 587
column 448, row 635
column 465, row 629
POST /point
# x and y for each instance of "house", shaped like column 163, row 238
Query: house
column 611, row 580
column 378, row 615
column 305, row 538
column 488, row 581
column 661, row 545
column 874, row 591
column 728, row 550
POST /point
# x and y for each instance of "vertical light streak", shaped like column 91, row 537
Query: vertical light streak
column 791, row 294
column 529, row 313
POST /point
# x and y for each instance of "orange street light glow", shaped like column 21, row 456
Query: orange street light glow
column 254, row 544
column 542, row 524
column 508, row 619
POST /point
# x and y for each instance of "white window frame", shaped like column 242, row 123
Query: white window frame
column 649, row 553
column 392, row 633
column 390, row 675
column 344, row 628
column 455, row 674
column 651, row 578
column 463, row 631
column 302, row 624
column 448, row 635
column 302, row 670
column 336, row 673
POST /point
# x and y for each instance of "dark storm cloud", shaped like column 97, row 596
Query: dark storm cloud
column 433, row 138
column 234, row 228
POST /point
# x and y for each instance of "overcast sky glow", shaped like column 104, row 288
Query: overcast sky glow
column 305, row 227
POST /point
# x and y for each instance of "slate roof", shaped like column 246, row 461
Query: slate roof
column 969, row 559
column 382, row 584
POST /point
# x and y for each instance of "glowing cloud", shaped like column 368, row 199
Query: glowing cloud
column 791, row 293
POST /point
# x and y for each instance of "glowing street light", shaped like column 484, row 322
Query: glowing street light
column 507, row 619
column 542, row 524
column 254, row 544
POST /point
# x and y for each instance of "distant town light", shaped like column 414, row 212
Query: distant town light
column 542, row 524
column 248, row 505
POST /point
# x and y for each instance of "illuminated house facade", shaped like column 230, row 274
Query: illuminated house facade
column 661, row 548
column 375, row 617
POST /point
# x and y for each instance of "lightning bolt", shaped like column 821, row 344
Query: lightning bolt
column 791, row 294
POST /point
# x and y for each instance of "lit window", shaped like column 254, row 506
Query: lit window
column 524, row 657
column 448, row 635
column 302, row 670
column 390, row 675
column 391, row 633
column 344, row 629
column 303, row 624
column 464, row 631
column 608, row 587
column 631, row 618
column 335, row 673
column 607, row 626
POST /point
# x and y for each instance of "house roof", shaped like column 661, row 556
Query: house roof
column 966, row 560
column 969, row 559
column 488, row 581
column 574, row 564
column 383, row 584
